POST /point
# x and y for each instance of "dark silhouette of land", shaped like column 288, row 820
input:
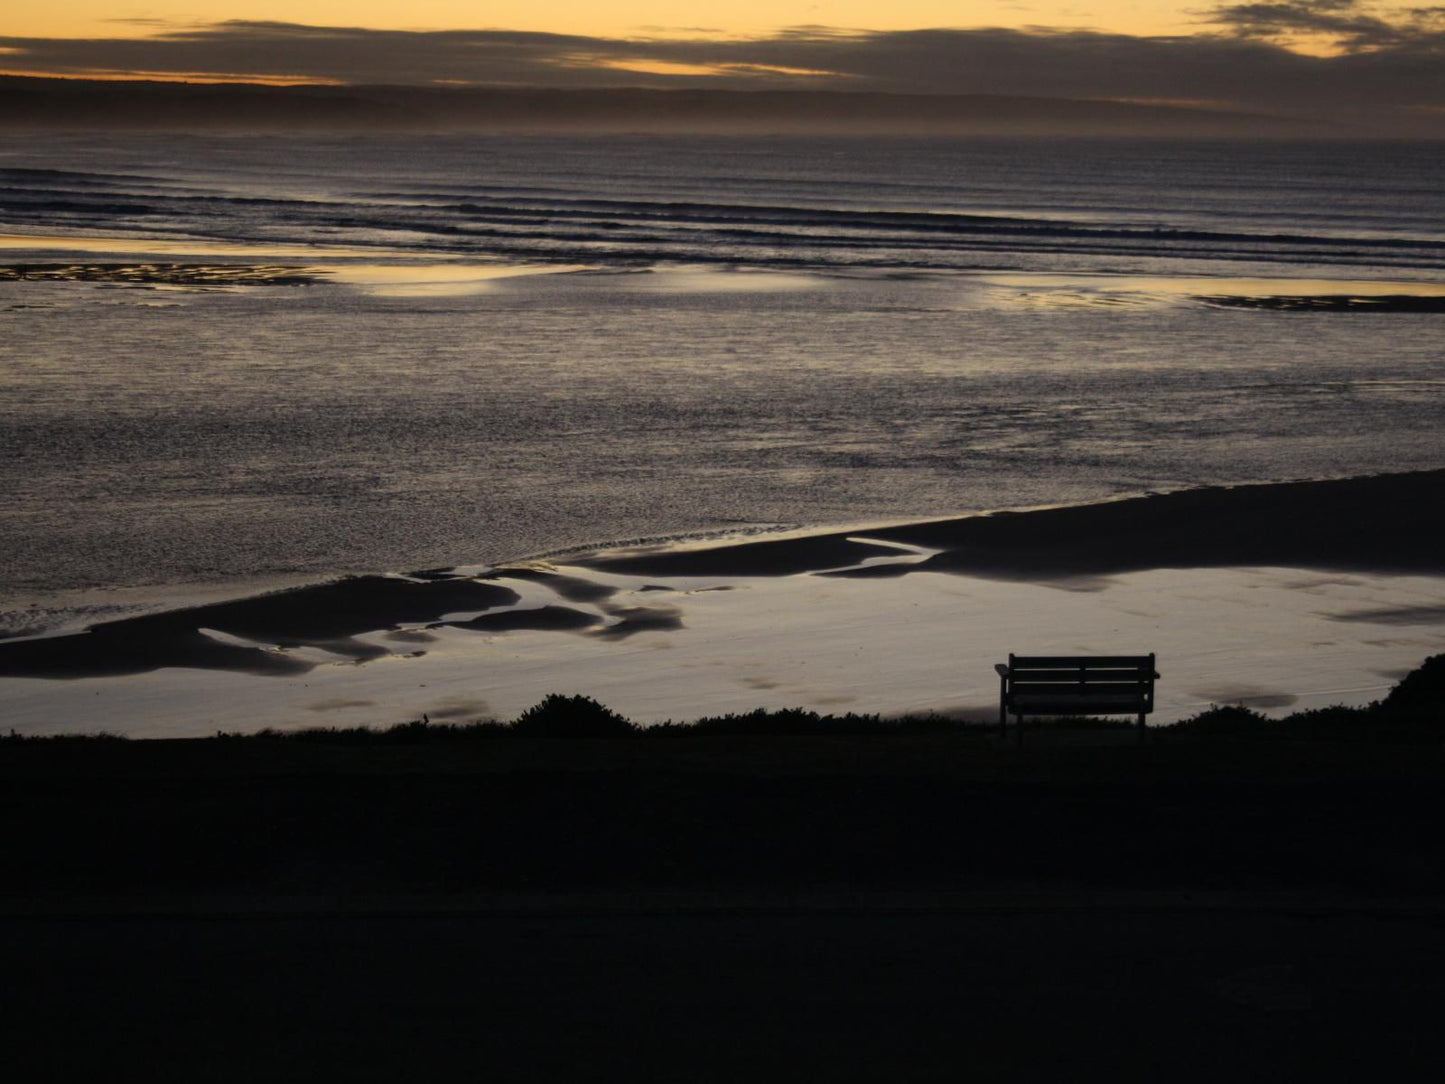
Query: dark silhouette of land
column 572, row 796
column 759, row 897
column 27, row 102
column 1386, row 523
column 1231, row 899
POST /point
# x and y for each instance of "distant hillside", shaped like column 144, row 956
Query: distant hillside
column 67, row 103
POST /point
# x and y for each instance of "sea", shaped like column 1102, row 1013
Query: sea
column 232, row 362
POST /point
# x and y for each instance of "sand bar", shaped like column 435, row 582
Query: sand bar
column 1387, row 523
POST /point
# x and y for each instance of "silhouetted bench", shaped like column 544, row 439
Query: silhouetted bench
column 1075, row 685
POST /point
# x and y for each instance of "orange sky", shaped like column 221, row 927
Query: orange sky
column 109, row 18
column 644, row 19
column 1360, row 55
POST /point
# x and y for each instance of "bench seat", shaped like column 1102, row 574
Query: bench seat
column 1076, row 685
column 1065, row 704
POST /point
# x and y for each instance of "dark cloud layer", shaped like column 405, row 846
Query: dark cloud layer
column 1348, row 24
column 1386, row 64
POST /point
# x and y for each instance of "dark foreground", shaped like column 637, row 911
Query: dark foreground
column 1234, row 992
column 838, row 908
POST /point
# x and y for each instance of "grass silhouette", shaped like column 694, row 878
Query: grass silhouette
column 1413, row 711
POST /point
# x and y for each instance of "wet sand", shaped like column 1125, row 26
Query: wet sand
column 1355, row 303
column 161, row 274
column 359, row 269
column 326, row 615
column 1280, row 597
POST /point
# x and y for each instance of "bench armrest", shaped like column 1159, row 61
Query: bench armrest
column 1002, row 670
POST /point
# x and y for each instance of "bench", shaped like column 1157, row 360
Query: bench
column 1075, row 685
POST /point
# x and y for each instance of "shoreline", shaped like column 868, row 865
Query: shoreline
column 1329, row 524
column 1277, row 596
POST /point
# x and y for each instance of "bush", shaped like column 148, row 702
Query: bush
column 802, row 721
column 1229, row 719
column 559, row 716
column 1334, row 719
column 98, row 736
column 763, row 721
column 1421, row 692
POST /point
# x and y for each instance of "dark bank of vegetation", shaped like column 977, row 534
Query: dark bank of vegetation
column 558, row 716
column 1333, row 800
column 1414, row 711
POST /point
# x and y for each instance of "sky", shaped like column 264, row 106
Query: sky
column 1302, row 56
column 609, row 18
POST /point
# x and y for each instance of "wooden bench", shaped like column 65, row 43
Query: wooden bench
column 1075, row 685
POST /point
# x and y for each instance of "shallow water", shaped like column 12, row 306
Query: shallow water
column 739, row 334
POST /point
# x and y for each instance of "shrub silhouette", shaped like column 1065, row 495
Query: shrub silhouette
column 1334, row 720
column 1421, row 692
column 1413, row 712
column 559, row 716
column 793, row 721
column 1226, row 719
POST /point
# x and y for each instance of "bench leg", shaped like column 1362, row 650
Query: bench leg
column 1141, row 728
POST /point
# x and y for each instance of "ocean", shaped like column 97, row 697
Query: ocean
column 234, row 362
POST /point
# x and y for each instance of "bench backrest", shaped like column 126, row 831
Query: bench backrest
column 1106, row 677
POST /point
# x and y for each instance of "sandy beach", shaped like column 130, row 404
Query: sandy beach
column 1279, row 597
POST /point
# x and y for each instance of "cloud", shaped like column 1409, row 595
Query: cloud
column 1349, row 25
column 1395, row 63
column 345, row 54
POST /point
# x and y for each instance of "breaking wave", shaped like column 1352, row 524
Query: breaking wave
column 582, row 202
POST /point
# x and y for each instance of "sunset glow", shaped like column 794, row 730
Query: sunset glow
column 1112, row 50
column 626, row 18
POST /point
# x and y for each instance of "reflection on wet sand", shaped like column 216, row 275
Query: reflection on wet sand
column 432, row 279
column 171, row 247
column 1333, row 303
column 161, row 261
column 381, row 280
column 161, row 274
column 257, row 635
column 1237, row 292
